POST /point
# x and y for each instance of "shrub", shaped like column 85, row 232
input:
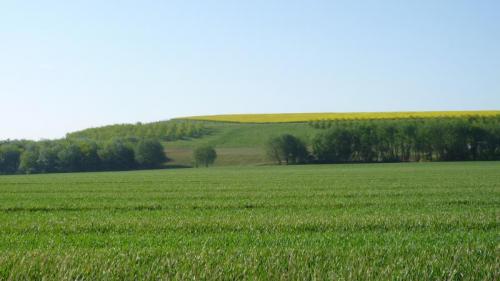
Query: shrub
column 150, row 154
column 204, row 155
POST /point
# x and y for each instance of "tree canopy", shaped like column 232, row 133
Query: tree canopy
column 409, row 140
column 80, row 155
column 204, row 155
column 163, row 131
column 150, row 154
column 286, row 148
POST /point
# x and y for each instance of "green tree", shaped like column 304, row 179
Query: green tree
column 150, row 153
column 89, row 160
column 9, row 159
column 48, row 159
column 334, row 146
column 117, row 155
column 70, row 158
column 287, row 148
column 274, row 150
column 204, row 155
column 29, row 159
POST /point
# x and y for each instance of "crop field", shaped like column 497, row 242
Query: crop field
column 418, row 221
column 306, row 117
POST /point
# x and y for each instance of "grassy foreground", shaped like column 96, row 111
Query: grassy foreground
column 305, row 117
column 419, row 221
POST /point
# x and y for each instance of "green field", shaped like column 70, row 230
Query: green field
column 237, row 144
column 415, row 221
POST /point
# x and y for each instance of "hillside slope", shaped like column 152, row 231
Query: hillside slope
column 240, row 139
column 237, row 144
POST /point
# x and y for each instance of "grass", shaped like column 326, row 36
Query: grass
column 418, row 221
column 305, row 117
column 236, row 144
column 233, row 135
column 237, row 135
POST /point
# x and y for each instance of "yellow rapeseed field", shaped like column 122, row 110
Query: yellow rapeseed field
column 306, row 117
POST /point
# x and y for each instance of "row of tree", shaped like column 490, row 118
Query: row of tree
column 80, row 155
column 456, row 139
column 163, row 130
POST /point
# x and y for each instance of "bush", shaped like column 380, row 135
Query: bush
column 204, row 155
column 150, row 154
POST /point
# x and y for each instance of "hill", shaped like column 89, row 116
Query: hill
column 240, row 139
column 237, row 144
column 161, row 130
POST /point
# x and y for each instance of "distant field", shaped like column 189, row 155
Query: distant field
column 234, row 136
column 305, row 117
column 418, row 221
column 236, row 144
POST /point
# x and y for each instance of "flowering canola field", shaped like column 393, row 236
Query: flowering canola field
column 306, row 117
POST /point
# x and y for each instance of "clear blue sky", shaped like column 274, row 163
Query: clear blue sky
column 68, row 65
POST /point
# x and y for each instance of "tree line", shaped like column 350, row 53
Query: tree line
column 80, row 155
column 447, row 139
column 163, row 130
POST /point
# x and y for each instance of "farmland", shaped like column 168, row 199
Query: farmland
column 241, row 139
column 412, row 221
column 306, row 117
column 237, row 144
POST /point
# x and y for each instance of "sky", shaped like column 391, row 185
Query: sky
column 70, row 65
